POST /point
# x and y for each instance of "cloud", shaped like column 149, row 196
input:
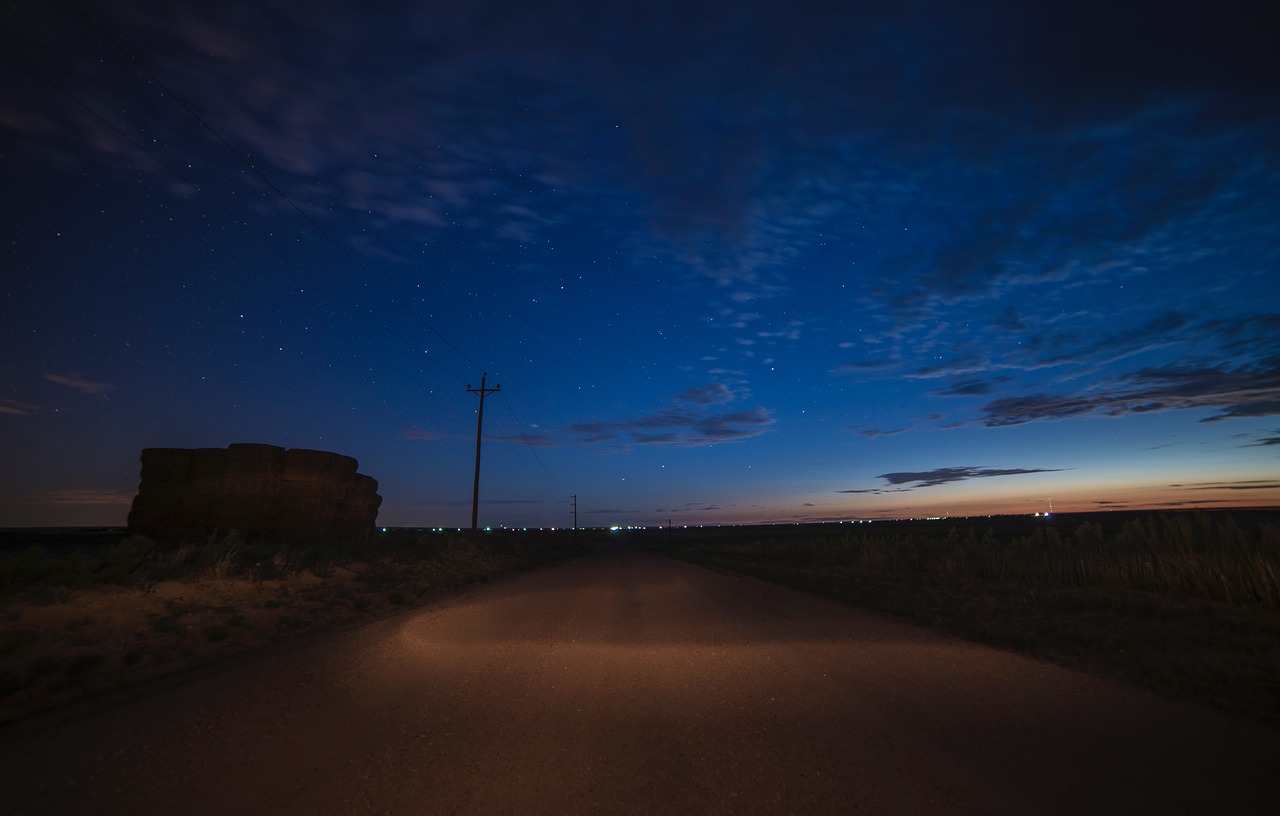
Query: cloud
column 712, row 394
column 467, row 502
column 1242, row 484
column 947, row 475
column 1249, row 390
column 861, row 366
column 972, row 388
column 530, row 439
column 418, row 433
column 1161, row 331
column 81, row 384
column 1190, row 502
column 1265, row 441
column 873, row 433
column 685, row 422
column 1256, row 409
column 938, row 476
column 83, row 497
column 965, row 365
column 1032, row 352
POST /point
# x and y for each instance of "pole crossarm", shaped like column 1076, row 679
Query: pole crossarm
column 475, row 485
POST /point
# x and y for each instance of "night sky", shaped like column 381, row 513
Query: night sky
column 729, row 261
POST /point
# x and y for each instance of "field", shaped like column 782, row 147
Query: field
column 85, row 614
column 1184, row 604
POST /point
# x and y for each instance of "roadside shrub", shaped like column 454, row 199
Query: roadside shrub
column 220, row 557
column 130, row 555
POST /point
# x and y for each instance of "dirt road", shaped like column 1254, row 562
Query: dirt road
column 628, row 683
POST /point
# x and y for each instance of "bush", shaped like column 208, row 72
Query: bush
column 131, row 555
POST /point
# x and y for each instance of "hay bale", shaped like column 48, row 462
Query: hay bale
column 208, row 465
column 251, row 469
column 165, row 470
column 300, row 463
column 261, row 490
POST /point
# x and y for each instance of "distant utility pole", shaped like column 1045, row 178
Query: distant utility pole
column 575, row 517
column 475, row 487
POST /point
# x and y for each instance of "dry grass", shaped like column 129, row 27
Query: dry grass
column 1187, row 605
column 1184, row 556
column 80, row 624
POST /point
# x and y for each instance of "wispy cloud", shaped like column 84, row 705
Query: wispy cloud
column 1266, row 441
column 678, row 426
column 686, row 421
column 712, row 394
column 82, row 497
column 417, row 433
column 1242, row 484
column 8, row 406
column 467, row 502
column 866, row 366
column 972, row 387
column 874, row 433
column 531, row 439
column 1250, row 390
column 80, row 384
column 946, row 475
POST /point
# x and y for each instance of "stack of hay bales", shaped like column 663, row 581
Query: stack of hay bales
column 263, row 491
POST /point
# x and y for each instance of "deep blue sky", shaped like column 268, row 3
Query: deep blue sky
column 728, row 261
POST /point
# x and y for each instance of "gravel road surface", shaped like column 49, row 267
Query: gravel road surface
column 629, row 683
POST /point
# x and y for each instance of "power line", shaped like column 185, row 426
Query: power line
column 512, row 439
column 522, row 434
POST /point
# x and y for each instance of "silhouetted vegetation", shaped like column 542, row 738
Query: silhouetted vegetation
column 1192, row 556
column 438, row 558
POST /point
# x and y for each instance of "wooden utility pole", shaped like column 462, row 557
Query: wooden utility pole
column 475, row 487
column 575, row 517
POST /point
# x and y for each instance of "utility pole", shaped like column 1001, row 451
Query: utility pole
column 575, row 517
column 475, row 487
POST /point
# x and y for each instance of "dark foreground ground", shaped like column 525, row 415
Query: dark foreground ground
column 627, row 682
column 1185, row 604
column 84, row 613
